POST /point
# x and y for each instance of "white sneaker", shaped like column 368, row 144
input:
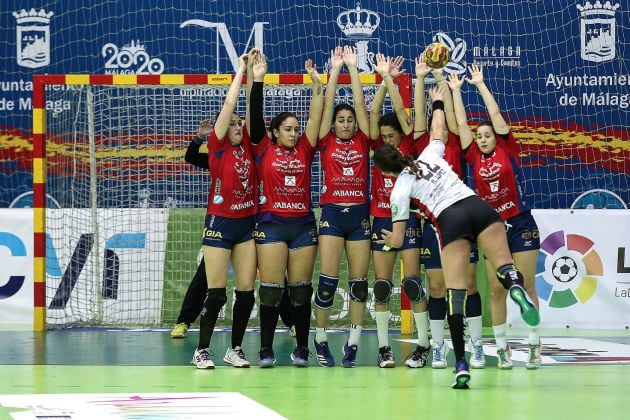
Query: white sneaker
column 439, row 355
column 236, row 357
column 534, row 356
column 202, row 359
column 504, row 361
column 477, row 358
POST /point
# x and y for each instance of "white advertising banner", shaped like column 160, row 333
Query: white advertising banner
column 107, row 272
column 583, row 270
column 16, row 269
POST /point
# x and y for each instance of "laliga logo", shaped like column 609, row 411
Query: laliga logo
column 129, row 59
column 33, row 38
column 598, row 31
column 567, row 269
column 457, row 65
column 359, row 24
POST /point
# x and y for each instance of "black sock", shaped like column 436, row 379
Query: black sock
column 215, row 299
column 301, row 316
column 285, row 309
column 268, row 322
column 240, row 315
column 456, row 325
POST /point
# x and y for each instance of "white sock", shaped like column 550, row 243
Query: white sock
column 422, row 325
column 382, row 328
column 534, row 338
column 500, row 335
column 437, row 330
column 355, row 334
column 474, row 328
column 320, row 335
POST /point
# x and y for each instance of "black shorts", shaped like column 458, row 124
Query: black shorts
column 465, row 219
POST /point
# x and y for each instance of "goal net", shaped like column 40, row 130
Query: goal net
column 122, row 238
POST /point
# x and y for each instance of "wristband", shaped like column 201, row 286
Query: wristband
column 438, row 105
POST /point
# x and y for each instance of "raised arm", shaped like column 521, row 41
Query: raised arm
column 193, row 156
column 465, row 134
column 350, row 58
column 419, row 101
column 377, row 102
column 336, row 62
column 476, row 78
column 440, row 80
column 317, row 104
column 439, row 130
column 225, row 116
column 248, row 85
column 259, row 69
column 395, row 70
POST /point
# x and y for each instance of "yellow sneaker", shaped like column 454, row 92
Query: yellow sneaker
column 180, row 331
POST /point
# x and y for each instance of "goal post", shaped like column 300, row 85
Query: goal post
column 122, row 246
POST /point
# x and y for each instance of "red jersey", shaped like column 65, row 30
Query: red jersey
column 498, row 175
column 382, row 183
column 233, row 185
column 453, row 153
column 285, row 177
column 345, row 166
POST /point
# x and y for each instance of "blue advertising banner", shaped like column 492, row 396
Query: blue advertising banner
column 558, row 70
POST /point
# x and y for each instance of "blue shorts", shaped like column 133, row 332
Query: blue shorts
column 522, row 233
column 349, row 222
column 413, row 234
column 225, row 232
column 295, row 235
column 430, row 251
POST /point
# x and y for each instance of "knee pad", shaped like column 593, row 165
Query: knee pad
column 508, row 275
column 437, row 308
column 382, row 291
column 473, row 305
column 326, row 289
column 456, row 301
column 358, row 290
column 413, row 289
column 244, row 297
column 300, row 293
column 215, row 299
column 270, row 294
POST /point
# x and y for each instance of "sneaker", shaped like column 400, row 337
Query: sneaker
column 267, row 358
column 386, row 357
column 419, row 357
column 529, row 312
column 324, row 356
column 349, row 355
column 504, row 361
column 180, row 330
column 300, row 356
column 439, row 355
column 534, row 357
column 202, row 359
column 477, row 358
column 462, row 375
column 236, row 357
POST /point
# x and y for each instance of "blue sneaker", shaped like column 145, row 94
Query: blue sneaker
column 462, row 376
column 349, row 355
column 300, row 356
column 324, row 356
column 267, row 358
column 529, row 313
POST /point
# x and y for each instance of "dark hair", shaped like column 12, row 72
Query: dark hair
column 342, row 107
column 277, row 121
column 389, row 159
column 484, row 123
column 390, row 120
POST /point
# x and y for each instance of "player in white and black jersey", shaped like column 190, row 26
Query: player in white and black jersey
column 461, row 218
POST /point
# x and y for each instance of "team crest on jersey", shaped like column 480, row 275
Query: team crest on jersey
column 348, row 172
column 388, row 183
column 289, row 181
column 494, row 186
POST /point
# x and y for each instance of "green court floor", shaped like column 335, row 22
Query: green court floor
column 580, row 379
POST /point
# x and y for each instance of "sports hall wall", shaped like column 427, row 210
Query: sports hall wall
column 559, row 71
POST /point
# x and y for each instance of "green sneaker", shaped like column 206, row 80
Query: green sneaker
column 529, row 313
column 504, row 361
column 180, row 330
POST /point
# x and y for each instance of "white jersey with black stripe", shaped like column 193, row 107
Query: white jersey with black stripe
column 437, row 187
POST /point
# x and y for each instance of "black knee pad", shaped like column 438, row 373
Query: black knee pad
column 270, row 294
column 358, row 289
column 437, row 308
column 215, row 299
column 382, row 291
column 300, row 293
column 456, row 301
column 326, row 290
column 473, row 305
column 508, row 275
column 412, row 286
column 245, row 297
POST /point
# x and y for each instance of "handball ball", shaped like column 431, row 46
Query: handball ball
column 437, row 55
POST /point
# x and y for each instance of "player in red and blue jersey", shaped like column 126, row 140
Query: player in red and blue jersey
column 499, row 180
column 345, row 217
column 394, row 129
column 229, row 223
column 286, row 233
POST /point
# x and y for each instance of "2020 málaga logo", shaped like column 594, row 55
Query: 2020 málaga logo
column 568, row 269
